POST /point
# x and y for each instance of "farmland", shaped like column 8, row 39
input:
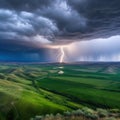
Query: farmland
column 27, row 90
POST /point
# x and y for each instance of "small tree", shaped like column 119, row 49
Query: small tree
column 58, row 116
column 78, row 112
column 38, row 117
column 102, row 112
column 67, row 113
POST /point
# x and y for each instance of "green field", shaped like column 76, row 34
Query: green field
column 35, row 89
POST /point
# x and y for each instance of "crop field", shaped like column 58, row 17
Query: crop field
column 27, row 90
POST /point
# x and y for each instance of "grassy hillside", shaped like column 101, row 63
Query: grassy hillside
column 29, row 90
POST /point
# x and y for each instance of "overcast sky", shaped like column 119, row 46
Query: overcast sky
column 28, row 27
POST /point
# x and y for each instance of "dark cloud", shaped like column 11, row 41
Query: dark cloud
column 25, row 4
column 25, row 23
column 22, row 51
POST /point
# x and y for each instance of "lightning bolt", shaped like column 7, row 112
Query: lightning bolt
column 62, row 49
column 62, row 54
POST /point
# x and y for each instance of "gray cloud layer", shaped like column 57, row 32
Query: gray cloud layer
column 27, row 23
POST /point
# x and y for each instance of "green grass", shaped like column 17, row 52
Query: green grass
column 29, row 90
column 82, row 92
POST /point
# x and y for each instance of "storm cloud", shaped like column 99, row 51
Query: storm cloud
column 27, row 26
